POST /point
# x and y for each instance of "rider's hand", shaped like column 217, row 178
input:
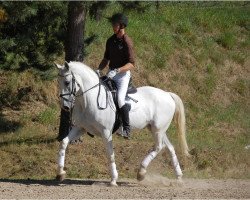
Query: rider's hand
column 112, row 73
column 98, row 72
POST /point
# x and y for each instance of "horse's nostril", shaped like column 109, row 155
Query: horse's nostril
column 66, row 108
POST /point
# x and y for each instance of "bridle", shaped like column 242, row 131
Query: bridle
column 74, row 92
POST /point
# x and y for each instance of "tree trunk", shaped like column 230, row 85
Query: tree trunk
column 157, row 5
column 74, row 51
column 74, row 45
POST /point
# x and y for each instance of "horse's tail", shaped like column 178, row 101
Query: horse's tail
column 180, row 119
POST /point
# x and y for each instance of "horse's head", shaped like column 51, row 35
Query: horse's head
column 68, row 86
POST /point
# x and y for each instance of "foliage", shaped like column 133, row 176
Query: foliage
column 96, row 9
column 138, row 6
column 32, row 34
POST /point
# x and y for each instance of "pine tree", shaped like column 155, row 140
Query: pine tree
column 32, row 34
column 96, row 9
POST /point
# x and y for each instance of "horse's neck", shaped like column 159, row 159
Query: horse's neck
column 87, row 81
column 88, row 78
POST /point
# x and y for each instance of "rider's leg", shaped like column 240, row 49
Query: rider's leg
column 122, row 81
column 125, row 120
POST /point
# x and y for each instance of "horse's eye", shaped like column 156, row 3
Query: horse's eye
column 66, row 83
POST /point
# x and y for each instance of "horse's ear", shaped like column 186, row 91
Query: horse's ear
column 66, row 64
column 58, row 66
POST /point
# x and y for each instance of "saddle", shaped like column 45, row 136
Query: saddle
column 110, row 85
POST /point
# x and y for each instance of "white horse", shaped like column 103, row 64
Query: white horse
column 80, row 91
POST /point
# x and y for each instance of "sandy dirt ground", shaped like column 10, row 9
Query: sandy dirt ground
column 153, row 187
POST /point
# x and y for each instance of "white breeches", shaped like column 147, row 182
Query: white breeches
column 122, row 81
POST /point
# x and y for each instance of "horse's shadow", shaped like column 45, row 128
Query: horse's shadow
column 54, row 182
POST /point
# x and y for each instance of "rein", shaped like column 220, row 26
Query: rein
column 73, row 91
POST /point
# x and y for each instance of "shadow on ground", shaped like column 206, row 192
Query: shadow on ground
column 54, row 182
column 29, row 141
column 7, row 125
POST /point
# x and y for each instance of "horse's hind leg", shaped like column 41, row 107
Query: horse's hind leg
column 147, row 160
column 175, row 161
column 61, row 156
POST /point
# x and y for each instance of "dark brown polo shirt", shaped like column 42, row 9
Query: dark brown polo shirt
column 119, row 51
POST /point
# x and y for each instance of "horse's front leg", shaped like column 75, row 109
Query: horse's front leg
column 61, row 156
column 111, row 157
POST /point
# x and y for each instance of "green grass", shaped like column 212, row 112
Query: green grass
column 199, row 52
column 48, row 116
column 227, row 40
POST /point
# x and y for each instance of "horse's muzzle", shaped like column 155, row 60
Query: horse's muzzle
column 66, row 108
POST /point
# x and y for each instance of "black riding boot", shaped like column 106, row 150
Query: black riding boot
column 125, row 120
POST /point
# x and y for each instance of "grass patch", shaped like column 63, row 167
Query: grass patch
column 48, row 116
column 227, row 40
column 242, row 86
column 239, row 57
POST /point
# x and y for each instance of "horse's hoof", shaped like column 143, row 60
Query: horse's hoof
column 140, row 177
column 113, row 184
column 60, row 177
column 179, row 178
column 141, row 174
column 180, row 181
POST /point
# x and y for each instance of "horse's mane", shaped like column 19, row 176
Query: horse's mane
column 83, row 70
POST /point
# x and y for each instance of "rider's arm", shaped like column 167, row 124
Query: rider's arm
column 126, row 67
column 103, row 64
column 130, row 56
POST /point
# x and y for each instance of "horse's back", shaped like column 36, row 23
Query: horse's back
column 154, row 105
column 156, row 95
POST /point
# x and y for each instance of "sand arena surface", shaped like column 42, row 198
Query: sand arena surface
column 153, row 187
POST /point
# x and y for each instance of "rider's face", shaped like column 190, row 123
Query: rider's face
column 116, row 28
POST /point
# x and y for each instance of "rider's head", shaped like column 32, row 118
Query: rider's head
column 119, row 21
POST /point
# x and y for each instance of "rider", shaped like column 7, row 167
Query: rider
column 119, row 55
